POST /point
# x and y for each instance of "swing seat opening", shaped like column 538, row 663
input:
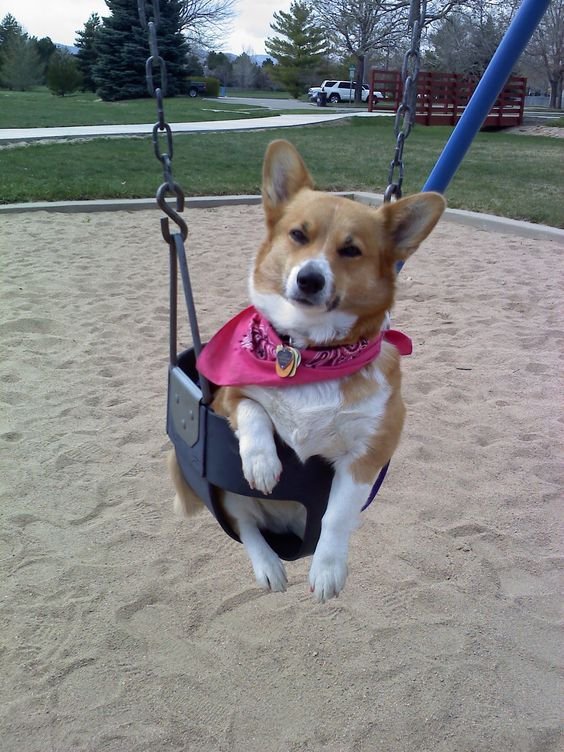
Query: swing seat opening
column 207, row 452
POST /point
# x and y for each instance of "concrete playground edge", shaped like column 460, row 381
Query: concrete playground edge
column 486, row 222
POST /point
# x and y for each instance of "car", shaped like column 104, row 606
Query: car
column 195, row 88
column 340, row 91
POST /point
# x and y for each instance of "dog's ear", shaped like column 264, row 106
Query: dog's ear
column 410, row 220
column 283, row 175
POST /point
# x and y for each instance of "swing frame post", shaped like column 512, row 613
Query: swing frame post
column 492, row 82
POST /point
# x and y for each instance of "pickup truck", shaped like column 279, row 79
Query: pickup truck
column 196, row 87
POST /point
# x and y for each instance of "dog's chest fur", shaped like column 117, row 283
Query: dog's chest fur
column 313, row 419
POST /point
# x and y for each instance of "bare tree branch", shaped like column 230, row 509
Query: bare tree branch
column 203, row 21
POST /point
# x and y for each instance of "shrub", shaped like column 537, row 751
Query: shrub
column 212, row 86
column 63, row 74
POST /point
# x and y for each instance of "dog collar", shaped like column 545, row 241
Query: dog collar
column 245, row 351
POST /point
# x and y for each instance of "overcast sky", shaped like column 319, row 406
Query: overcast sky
column 61, row 19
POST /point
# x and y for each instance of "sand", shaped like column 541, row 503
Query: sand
column 124, row 629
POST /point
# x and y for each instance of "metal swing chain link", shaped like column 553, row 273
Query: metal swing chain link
column 405, row 115
column 154, row 64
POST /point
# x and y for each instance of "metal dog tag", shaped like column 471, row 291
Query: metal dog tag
column 287, row 361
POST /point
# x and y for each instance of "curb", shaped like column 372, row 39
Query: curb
column 485, row 222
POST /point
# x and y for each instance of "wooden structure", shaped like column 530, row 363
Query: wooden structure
column 442, row 97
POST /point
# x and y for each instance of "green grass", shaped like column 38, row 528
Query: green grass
column 508, row 175
column 41, row 109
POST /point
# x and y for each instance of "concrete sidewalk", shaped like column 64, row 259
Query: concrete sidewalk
column 144, row 129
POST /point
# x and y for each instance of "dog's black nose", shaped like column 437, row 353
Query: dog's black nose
column 310, row 280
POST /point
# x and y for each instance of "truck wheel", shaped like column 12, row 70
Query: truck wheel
column 334, row 98
column 192, row 92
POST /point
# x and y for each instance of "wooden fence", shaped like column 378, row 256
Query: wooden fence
column 442, row 97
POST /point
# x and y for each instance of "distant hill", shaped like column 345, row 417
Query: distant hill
column 257, row 59
column 68, row 47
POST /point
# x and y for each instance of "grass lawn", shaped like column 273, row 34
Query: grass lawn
column 504, row 174
column 41, row 109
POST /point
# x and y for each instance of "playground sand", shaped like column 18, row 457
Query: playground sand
column 124, row 629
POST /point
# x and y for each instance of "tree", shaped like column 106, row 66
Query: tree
column 87, row 55
column 63, row 73
column 265, row 79
column 220, row 66
column 10, row 29
column 547, row 47
column 464, row 43
column 22, row 68
column 205, row 21
column 358, row 28
column 122, row 48
column 46, row 50
column 193, row 65
column 244, row 71
column 299, row 50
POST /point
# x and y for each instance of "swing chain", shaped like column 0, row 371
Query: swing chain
column 153, row 65
column 405, row 115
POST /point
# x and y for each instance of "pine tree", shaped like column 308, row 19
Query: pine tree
column 122, row 48
column 10, row 31
column 220, row 66
column 87, row 55
column 301, row 52
column 22, row 68
column 46, row 49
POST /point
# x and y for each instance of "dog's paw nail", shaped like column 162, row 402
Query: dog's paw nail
column 262, row 470
column 327, row 579
column 270, row 573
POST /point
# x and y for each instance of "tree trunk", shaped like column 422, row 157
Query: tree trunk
column 556, row 93
column 360, row 60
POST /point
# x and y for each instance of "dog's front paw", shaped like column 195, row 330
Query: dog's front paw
column 262, row 469
column 327, row 577
column 270, row 572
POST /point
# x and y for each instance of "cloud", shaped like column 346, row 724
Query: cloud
column 252, row 25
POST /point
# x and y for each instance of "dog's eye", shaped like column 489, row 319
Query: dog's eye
column 349, row 251
column 298, row 236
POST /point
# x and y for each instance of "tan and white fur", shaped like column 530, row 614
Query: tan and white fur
column 324, row 276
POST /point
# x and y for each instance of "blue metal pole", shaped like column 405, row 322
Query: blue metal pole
column 512, row 45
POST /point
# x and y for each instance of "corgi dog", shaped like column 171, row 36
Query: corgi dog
column 321, row 286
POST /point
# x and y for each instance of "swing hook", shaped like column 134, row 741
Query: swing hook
column 170, row 212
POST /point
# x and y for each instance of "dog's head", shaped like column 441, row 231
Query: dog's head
column 326, row 271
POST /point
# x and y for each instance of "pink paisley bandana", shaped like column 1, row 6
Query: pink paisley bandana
column 243, row 352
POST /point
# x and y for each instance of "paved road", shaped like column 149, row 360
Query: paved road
column 288, row 104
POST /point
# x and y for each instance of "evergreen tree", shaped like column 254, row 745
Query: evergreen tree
column 10, row 28
column 299, row 50
column 22, row 68
column 87, row 55
column 63, row 74
column 220, row 66
column 244, row 71
column 46, row 50
column 122, row 47
column 193, row 65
